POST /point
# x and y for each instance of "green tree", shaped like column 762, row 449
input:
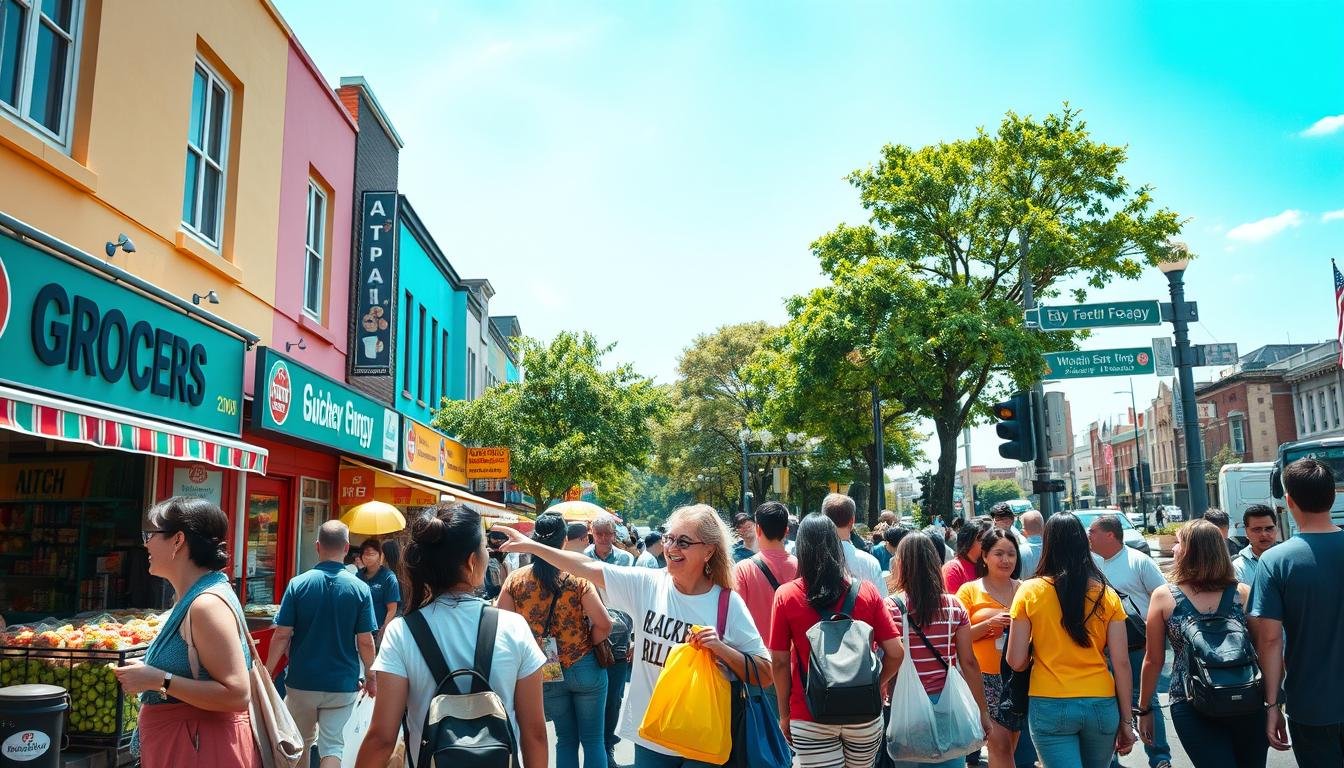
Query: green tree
column 991, row 492
column 568, row 420
column 1222, row 458
column 928, row 292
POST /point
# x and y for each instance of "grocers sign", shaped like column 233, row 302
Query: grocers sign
column 69, row 332
column 375, row 286
column 296, row 401
column 431, row 453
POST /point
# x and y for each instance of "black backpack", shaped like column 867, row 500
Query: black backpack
column 842, row 680
column 463, row 730
column 1222, row 670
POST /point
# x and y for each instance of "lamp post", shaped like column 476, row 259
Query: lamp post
column 1174, row 268
column 742, row 436
column 1138, row 455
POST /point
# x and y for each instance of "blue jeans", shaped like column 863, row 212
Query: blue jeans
column 1222, row 742
column 1160, row 749
column 575, row 705
column 1074, row 733
column 617, row 675
column 647, row 758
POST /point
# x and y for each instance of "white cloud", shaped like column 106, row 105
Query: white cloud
column 1255, row 231
column 1325, row 126
column 1332, row 215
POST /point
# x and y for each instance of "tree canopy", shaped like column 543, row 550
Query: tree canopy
column 991, row 492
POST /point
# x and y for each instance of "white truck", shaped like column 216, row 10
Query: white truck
column 1329, row 450
column 1240, row 486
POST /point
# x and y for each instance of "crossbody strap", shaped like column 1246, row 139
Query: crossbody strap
column 905, row 615
column 721, row 623
column 770, row 577
column 546, row 631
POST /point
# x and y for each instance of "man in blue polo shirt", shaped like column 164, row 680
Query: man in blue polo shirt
column 381, row 581
column 326, row 623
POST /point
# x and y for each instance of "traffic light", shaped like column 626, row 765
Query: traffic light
column 1017, row 427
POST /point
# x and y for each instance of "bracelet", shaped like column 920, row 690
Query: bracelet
column 1142, row 712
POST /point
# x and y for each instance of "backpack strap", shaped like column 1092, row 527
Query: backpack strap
column 770, row 577
column 852, row 597
column 429, row 648
column 1225, row 604
column 485, row 647
column 721, row 624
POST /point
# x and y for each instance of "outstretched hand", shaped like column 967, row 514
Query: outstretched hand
column 518, row 541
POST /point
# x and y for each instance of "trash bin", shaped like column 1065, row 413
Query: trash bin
column 32, row 725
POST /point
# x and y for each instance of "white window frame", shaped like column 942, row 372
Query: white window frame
column 315, row 498
column 1237, row 433
column 212, row 79
column 34, row 18
column 316, row 230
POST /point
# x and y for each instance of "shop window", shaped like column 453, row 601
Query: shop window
column 407, row 343
column 1238, row 435
column 314, row 510
column 38, row 48
column 315, row 253
column 207, row 145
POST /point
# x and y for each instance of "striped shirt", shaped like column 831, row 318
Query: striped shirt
column 941, row 632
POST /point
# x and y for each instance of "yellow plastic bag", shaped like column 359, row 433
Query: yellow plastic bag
column 691, row 708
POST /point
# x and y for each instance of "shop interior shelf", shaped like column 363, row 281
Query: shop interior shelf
column 101, row 715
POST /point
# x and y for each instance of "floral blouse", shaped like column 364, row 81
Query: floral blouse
column 570, row 625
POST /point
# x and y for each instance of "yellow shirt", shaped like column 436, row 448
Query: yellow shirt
column 1061, row 668
column 988, row 650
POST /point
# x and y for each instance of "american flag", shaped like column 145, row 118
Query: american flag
column 1339, row 310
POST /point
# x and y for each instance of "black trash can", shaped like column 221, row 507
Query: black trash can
column 32, row 725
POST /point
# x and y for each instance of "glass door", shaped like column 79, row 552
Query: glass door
column 267, row 500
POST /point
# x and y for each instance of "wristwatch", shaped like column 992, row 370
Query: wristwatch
column 167, row 681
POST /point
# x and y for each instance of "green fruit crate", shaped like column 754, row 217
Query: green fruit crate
column 101, row 715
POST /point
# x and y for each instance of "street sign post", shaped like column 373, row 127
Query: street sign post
column 1129, row 361
column 1109, row 315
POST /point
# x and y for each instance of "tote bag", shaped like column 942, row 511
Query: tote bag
column 921, row 731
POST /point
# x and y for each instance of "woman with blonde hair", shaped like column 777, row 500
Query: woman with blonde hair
column 693, row 591
column 1202, row 584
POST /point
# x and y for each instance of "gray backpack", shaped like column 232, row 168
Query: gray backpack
column 842, row 679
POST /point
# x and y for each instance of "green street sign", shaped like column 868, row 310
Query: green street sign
column 296, row 401
column 1117, row 313
column 70, row 332
column 1130, row 361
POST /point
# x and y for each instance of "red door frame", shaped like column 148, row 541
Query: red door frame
column 282, row 487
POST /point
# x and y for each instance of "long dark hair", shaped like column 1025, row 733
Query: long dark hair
column 821, row 562
column 919, row 575
column 993, row 536
column 550, row 530
column 1067, row 561
column 443, row 540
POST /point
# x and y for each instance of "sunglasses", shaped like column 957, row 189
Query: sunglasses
column 681, row 542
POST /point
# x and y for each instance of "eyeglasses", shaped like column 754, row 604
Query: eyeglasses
column 681, row 542
column 146, row 535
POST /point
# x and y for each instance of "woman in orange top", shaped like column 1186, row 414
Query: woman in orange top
column 568, row 619
column 987, row 601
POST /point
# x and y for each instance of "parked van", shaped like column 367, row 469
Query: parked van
column 1329, row 450
column 1240, row 486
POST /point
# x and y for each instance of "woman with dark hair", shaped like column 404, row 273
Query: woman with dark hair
column 966, row 565
column 987, row 601
column 821, row 589
column 446, row 562
column 194, row 691
column 1203, row 583
column 1066, row 621
column 567, row 619
column 941, row 632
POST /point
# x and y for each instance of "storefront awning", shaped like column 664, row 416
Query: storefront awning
column 417, row 491
column 42, row 416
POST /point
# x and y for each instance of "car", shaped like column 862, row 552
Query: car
column 1173, row 513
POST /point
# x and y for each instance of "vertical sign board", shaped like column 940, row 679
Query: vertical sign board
column 375, row 286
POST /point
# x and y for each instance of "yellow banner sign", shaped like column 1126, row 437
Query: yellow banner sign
column 487, row 463
column 44, row 481
column 430, row 453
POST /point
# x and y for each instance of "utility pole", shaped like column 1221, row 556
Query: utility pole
column 967, row 490
column 1038, row 390
column 877, row 472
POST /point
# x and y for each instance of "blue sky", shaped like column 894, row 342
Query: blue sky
column 650, row 171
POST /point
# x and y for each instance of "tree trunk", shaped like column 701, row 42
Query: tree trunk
column 941, row 497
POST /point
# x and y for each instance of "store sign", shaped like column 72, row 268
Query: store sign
column 375, row 285
column 199, row 480
column 44, row 481
column 487, row 463
column 296, row 401
column 431, row 453
column 66, row 331
column 356, row 486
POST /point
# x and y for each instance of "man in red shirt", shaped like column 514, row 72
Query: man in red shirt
column 754, row 584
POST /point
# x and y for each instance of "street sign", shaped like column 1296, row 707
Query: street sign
column 1047, row 486
column 1129, row 361
column 1163, row 360
column 1116, row 313
column 1216, row 354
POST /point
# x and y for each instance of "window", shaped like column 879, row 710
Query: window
column 1320, row 404
column 207, row 139
column 314, row 510
column 420, row 360
column 471, row 374
column 1302, row 414
column 433, row 364
column 1334, row 407
column 1311, row 409
column 443, row 361
column 315, row 254
column 38, row 43
column 1238, row 435
column 407, row 343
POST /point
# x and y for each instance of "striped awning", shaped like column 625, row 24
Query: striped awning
column 43, row 416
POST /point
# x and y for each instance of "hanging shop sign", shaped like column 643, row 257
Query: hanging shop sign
column 45, row 481
column 199, row 480
column 487, row 463
column 375, row 285
column 295, row 401
column 359, row 484
column 430, row 453
column 68, row 332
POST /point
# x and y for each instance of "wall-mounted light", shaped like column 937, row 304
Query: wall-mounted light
column 300, row 344
column 123, row 242
column 209, row 296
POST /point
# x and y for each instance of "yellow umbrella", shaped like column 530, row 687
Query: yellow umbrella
column 374, row 518
column 576, row 511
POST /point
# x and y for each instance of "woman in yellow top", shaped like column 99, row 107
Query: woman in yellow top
column 1066, row 621
column 987, row 601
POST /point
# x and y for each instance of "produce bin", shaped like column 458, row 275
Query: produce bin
column 101, row 715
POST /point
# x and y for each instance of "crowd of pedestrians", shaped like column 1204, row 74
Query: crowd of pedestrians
column 1054, row 636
